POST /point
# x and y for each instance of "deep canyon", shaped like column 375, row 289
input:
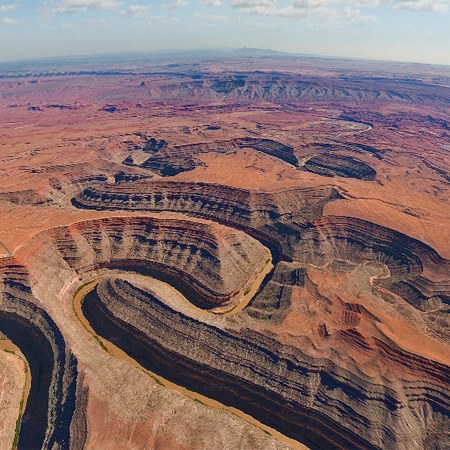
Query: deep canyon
column 245, row 253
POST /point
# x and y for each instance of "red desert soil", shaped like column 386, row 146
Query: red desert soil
column 346, row 272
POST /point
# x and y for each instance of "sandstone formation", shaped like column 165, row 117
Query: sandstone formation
column 324, row 159
column 288, row 88
column 168, row 161
column 313, row 242
column 331, row 165
column 210, row 263
column 51, row 401
column 236, row 254
column 308, row 399
column 289, row 225
column 259, row 213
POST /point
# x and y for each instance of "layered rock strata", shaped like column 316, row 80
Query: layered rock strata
column 261, row 214
column 312, row 400
column 211, row 264
column 169, row 161
column 322, row 159
column 253, row 87
column 416, row 271
column 51, row 401
column 331, row 165
column 273, row 300
column 287, row 222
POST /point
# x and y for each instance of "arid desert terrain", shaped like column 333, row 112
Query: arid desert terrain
column 224, row 252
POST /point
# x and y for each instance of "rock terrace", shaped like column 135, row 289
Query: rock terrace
column 228, row 259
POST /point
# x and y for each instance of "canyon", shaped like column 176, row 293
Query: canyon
column 248, row 252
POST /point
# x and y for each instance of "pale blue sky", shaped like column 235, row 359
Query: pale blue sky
column 404, row 30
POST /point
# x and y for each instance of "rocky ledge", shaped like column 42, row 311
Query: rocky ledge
column 51, row 406
column 407, row 259
column 288, row 222
column 312, row 400
column 331, row 165
column 171, row 160
column 211, row 264
column 262, row 214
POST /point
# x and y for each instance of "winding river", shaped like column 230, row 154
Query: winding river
column 159, row 288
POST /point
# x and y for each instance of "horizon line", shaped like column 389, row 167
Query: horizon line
column 217, row 49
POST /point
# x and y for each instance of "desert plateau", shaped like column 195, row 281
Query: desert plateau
column 227, row 250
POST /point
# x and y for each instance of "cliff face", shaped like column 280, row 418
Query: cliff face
column 288, row 222
column 212, row 264
column 215, row 254
column 317, row 400
column 406, row 258
column 50, row 405
column 268, row 393
column 325, row 160
column 310, row 399
column 262, row 214
column 211, row 200
column 330, row 165
column 285, row 88
column 253, row 361
column 171, row 160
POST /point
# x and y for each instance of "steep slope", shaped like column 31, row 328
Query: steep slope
column 51, row 401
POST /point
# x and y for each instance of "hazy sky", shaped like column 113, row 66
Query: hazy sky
column 406, row 30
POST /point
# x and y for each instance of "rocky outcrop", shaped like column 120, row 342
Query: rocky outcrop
column 166, row 164
column 331, row 165
column 261, row 214
column 284, row 88
column 273, row 300
column 211, row 264
column 268, row 86
column 51, row 401
column 170, row 161
column 312, row 400
column 357, row 240
column 122, row 177
column 316, row 400
column 287, row 222
column 269, row 147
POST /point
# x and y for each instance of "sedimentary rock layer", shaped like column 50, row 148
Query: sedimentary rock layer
column 285, row 88
column 51, row 401
column 210, row 263
column 357, row 240
column 270, row 147
column 331, row 165
column 344, row 147
column 273, row 300
column 310, row 399
column 287, row 221
column 324, row 159
column 169, row 161
column 262, row 214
